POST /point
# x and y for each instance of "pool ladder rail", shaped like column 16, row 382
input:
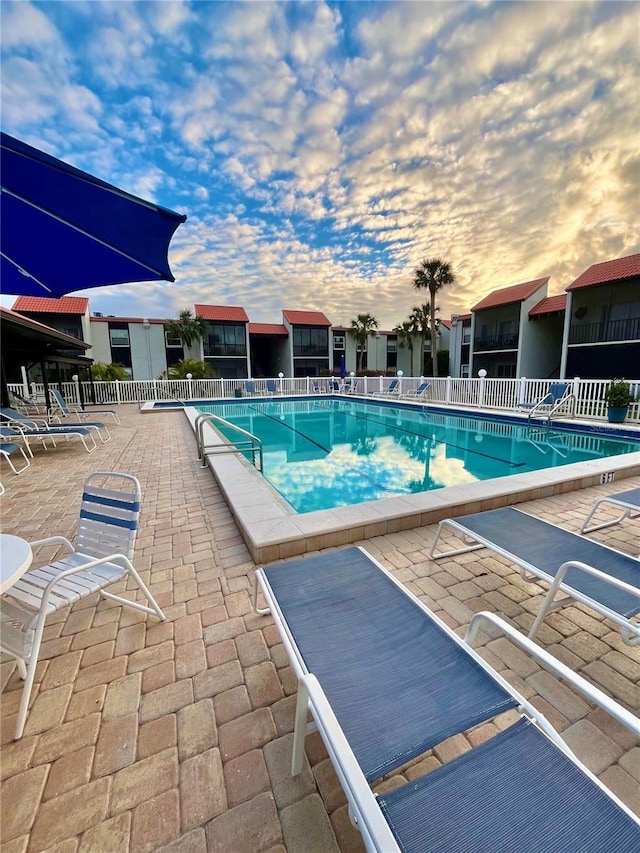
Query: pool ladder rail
column 249, row 443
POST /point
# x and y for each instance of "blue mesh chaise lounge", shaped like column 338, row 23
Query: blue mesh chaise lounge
column 600, row 577
column 385, row 680
column 628, row 502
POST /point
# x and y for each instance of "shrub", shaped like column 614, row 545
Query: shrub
column 618, row 394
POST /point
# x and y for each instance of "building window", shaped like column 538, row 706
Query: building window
column 310, row 341
column 392, row 344
column 465, row 371
column 338, row 341
column 226, row 340
column 119, row 337
column 172, row 342
column 466, row 335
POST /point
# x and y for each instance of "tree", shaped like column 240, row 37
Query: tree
column 361, row 327
column 197, row 369
column 432, row 275
column 101, row 372
column 405, row 333
column 187, row 328
column 419, row 320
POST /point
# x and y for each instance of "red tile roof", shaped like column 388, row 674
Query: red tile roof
column 267, row 329
column 615, row 270
column 306, row 318
column 509, row 295
column 44, row 305
column 229, row 313
column 549, row 304
column 446, row 323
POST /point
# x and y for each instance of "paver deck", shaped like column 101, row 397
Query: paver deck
column 176, row 736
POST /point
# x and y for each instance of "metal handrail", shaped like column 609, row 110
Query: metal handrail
column 251, row 443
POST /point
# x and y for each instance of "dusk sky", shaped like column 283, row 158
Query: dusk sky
column 322, row 150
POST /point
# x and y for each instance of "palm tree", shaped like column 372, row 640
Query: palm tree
column 405, row 332
column 361, row 327
column 187, row 328
column 432, row 275
column 420, row 323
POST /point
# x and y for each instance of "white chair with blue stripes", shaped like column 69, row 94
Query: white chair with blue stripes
column 109, row 516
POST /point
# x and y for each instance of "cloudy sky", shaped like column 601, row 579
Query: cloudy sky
column 321, row 150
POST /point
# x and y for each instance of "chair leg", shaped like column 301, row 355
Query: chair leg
column 28, row 672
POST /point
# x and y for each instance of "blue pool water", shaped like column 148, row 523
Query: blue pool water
column 326, row 453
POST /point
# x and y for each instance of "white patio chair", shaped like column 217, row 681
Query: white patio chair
column 105, row 543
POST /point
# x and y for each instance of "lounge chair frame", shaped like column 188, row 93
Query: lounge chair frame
column 364, row 806
column 628, row 501
column 75, row 411
column 629, row 630
column 552, row 403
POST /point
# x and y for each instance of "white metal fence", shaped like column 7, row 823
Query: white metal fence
column 498, row 394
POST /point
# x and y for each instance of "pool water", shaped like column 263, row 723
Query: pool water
column 326, row 453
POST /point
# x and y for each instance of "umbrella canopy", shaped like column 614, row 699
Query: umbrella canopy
column 343, row 367
column 62, row 229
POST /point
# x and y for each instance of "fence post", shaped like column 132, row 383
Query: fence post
column 117, row 383
column 576, row 394
column 448, row 390
column 522, row 393
column 482, row 373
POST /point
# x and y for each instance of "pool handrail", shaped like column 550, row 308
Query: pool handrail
column 251, row 442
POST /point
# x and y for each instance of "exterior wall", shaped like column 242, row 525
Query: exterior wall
column 541, row 359
column 528, row 353
column 148, row 354
column 100, row 347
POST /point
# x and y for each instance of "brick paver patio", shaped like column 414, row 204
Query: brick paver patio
column 176, row 736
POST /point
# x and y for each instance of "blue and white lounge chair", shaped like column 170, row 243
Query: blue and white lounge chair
column 8, row 449
column 628, row 502
column 600, row 577
column 335, row 386
column 32, row 423
column 250, row 388
column 420, row 392
column 30, row 429
column 392, row 390
column 558, row 399
column 385, row 680
column 271, row 386
column 105, row 542
column 76, row 412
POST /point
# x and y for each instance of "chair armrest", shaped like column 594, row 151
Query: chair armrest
column 555, row 666
column 52, row 540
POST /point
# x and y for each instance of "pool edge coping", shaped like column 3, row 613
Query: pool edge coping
column 272, row 530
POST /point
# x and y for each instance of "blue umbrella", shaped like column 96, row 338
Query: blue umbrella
column 343, row 368
column 62, row 229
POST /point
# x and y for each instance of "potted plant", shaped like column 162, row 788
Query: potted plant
column 619, row 397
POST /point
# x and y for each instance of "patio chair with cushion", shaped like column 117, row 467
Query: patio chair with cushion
column 105, row 541
column 386, row 680
column 74, row 411
column 628, row 502
column 33, row 422
column 596, row 575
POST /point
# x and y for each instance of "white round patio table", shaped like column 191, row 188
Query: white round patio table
column 15, row 559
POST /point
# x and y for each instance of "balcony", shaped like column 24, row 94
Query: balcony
column 613, row 330
column 238, row 350
column 495, row 342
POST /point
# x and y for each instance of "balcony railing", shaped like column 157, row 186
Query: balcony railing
column 310, row 351
column 495, row 342
column 225, row 349
column 613, row 330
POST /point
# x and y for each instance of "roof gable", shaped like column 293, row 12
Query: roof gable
column 509, row 295
column 615, row 270
column 45, row 305
column 227, row 313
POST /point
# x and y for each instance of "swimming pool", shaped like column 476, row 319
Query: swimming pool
column 327, row 453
